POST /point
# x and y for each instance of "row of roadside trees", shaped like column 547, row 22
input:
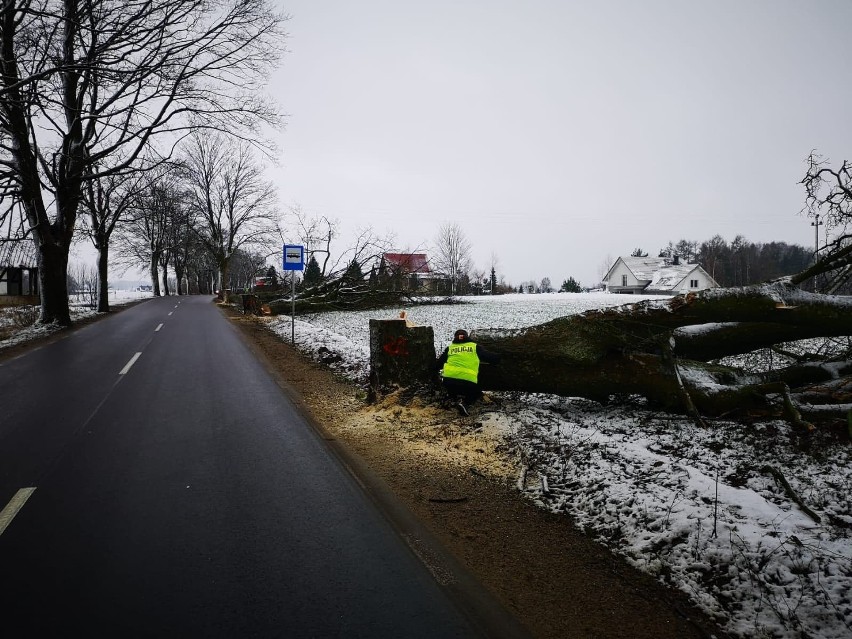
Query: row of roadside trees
column 145, row 118
column 109, row 108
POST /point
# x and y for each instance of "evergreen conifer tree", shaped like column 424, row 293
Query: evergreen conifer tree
column 272, row 274
column 313, row 274
column 571, row 286
column 353, row 272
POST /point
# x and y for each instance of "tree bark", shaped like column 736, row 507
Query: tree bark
column 103, row 284
column 166, row 290
column 153, row 269
column 53, row 283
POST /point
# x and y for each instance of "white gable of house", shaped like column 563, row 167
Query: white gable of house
column 638, row 271
column 658, row 275
column 693, row 278
column 668, row 278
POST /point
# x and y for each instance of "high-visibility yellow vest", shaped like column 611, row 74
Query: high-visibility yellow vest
column 462, row 362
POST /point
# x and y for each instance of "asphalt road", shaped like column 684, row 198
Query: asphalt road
column 155, row 481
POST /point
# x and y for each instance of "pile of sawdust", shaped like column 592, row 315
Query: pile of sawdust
column 435, row 433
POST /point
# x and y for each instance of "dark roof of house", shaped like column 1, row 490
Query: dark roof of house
column 408, row 262
column 18, row 254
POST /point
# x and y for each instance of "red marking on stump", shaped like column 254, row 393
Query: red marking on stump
column 396, row 346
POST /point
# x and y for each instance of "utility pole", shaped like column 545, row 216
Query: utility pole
column 816, row 224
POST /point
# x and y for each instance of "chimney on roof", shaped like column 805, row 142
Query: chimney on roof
column 676, row 259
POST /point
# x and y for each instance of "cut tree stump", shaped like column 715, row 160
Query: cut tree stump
column 401, row 356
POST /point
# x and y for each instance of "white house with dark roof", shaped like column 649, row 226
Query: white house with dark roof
column 656, row 276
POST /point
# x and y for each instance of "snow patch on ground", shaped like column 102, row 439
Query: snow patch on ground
column 17, row 324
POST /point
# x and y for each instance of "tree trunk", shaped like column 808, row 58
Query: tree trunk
column 224, row 278
column 155, row 274
column 53, row 282
column 103, row 284
column 179, row 280
column 401, row 356
column 166, row 290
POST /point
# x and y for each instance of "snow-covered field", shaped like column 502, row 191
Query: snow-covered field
column 16, row 323
column 699, row 509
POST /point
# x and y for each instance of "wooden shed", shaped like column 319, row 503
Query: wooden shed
column 18, row 273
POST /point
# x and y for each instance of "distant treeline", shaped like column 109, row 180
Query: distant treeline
column 741, row 262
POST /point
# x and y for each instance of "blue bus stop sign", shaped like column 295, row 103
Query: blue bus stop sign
column 294, row 257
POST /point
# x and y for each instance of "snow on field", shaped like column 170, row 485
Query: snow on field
column 700, row 509
column 17, row 323
column 347, row 332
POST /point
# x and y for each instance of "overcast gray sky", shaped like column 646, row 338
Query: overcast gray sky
column 560, row 133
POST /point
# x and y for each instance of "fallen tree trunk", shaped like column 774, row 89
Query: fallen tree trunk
column 330, row 298
column 661, row 349
column 337, row 295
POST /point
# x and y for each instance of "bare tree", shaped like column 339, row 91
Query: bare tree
column 244, row 267
column 318, row 232
column 85, row 81
column 233, row 204
column 829, row 196
column 200, row 268
column 711, row 254
column 478, row 280
column 452, row 253
column 603, row 268
column 146, row 233
column 686, row 249
column 182, row 241
column 106, row 200
column 366, row 248
column 315, row 233
column 83, row 283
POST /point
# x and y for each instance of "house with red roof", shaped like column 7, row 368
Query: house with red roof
column 407, row 272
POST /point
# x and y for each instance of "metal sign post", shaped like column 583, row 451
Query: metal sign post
column 293, row 309
column 294, row 260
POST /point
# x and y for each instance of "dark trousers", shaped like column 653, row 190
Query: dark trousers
column 469, row 392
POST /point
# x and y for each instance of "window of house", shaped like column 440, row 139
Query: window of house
column 693, row 283
column 624, row 280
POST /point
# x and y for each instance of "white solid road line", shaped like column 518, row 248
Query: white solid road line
column 158, row 328
column 129, row 364
column 17, row 502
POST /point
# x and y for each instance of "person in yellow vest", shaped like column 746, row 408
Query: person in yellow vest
column 459, row 365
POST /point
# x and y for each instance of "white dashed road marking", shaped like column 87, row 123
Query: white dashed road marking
column 129, row 364
column 17, row 502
